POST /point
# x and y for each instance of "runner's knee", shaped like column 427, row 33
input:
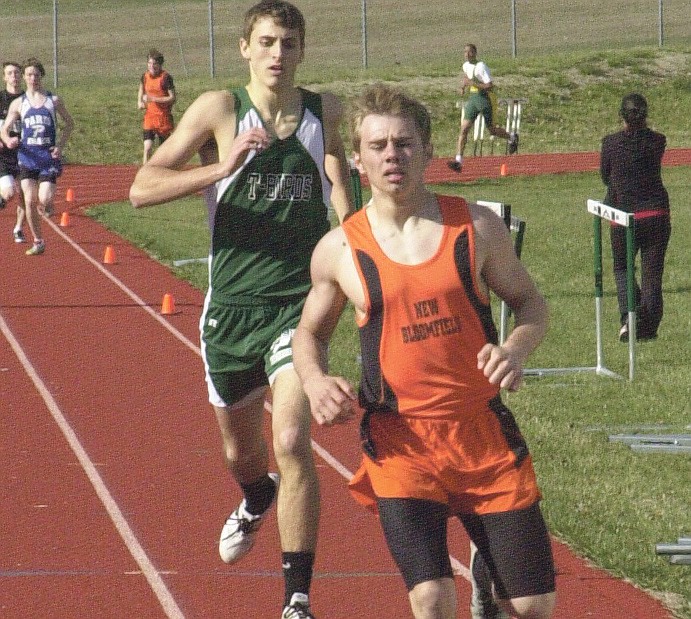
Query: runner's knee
column 434, row 598
column 534, row 607
column 291, row 441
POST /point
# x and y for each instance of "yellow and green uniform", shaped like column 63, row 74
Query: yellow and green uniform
column 480, row 101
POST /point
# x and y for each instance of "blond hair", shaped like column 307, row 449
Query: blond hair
column 387, row 100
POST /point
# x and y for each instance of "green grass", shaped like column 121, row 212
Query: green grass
column 105, row 38
column 608, row 503
column 568, row 109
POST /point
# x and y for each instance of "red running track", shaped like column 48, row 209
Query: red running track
column 113, row 484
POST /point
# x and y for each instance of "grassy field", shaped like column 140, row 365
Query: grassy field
column 572, row 101
column 609, row 503
column 100, row 38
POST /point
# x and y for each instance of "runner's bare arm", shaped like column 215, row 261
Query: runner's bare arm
column 165, row 176
column 335, row 162
column 331, row 397
column 66, row 129
column 506, row 276
column 12, row 117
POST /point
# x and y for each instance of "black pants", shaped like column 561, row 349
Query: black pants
column 651, row 237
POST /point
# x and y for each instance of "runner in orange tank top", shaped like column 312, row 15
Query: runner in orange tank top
column 437, row 439
column 156, row 96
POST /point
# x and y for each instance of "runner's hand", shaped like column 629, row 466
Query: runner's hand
column 332, row 399
column 501, row 366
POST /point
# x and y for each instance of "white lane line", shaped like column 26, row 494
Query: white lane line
column 131, row 542
column 458, row 568
column 128, row 291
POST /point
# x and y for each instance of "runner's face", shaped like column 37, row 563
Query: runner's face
column 154, row 67
column 392, row 154
column 12, row 76
column 32, row 77
column 273, row 52
column 469, row 54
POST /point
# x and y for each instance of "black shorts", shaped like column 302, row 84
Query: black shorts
column 515, row 545
column 152, row 134
column 37, row 175
column 9, row 168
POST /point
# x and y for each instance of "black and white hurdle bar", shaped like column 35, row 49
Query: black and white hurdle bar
column 516, row 225
column 601, row 211
column 679, row 553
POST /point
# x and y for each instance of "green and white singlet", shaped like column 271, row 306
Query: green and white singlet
column 271, row 212
column 265, row 221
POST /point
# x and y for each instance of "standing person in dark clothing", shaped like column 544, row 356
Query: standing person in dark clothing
column 631, row 166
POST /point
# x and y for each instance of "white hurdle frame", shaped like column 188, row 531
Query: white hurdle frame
column 601, row 211
column 514, row 224
column 514, row 111
column 479, row 128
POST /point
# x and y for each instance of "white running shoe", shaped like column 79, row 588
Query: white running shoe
column 240, row 530
column 482, row 602
column 299, row 608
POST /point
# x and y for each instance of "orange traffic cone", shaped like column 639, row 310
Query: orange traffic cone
column 168, row 305
column 503, row 170
column 64, row 219
column 109, row 255
column 69, row 196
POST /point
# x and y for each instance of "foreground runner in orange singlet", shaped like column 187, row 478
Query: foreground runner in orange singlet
column 437, row 438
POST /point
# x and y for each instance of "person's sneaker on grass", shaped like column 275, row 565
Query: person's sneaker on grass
column 299, row 608
column 37, row 248
column 482, row 602
column 18, row 236
column 513, row 144
column 455, row 165
column 240, row 529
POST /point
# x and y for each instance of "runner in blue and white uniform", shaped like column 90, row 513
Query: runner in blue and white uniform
column 40, row 146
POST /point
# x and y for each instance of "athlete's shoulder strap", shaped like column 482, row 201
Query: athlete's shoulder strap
column 312, row 101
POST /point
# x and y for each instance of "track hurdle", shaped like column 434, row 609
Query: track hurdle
column 479, row 128
column 514, row 111
column 356, row 184
column 655, row 443
column 679, row 553
column 601, row 211
column 517, row 226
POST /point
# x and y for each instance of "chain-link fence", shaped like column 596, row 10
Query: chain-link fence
column 110, row 39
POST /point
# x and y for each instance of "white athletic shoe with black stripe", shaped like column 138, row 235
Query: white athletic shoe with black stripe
column 482, row 602
column 240, row 530
column 299, row 608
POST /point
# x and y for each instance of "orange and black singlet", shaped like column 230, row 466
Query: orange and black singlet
column 158, row 116
column 424, row 323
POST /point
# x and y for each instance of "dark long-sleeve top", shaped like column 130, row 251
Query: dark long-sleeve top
column 631, row 167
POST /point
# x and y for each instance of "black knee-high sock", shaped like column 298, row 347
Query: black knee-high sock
column 297, row 571
column 259, row 495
